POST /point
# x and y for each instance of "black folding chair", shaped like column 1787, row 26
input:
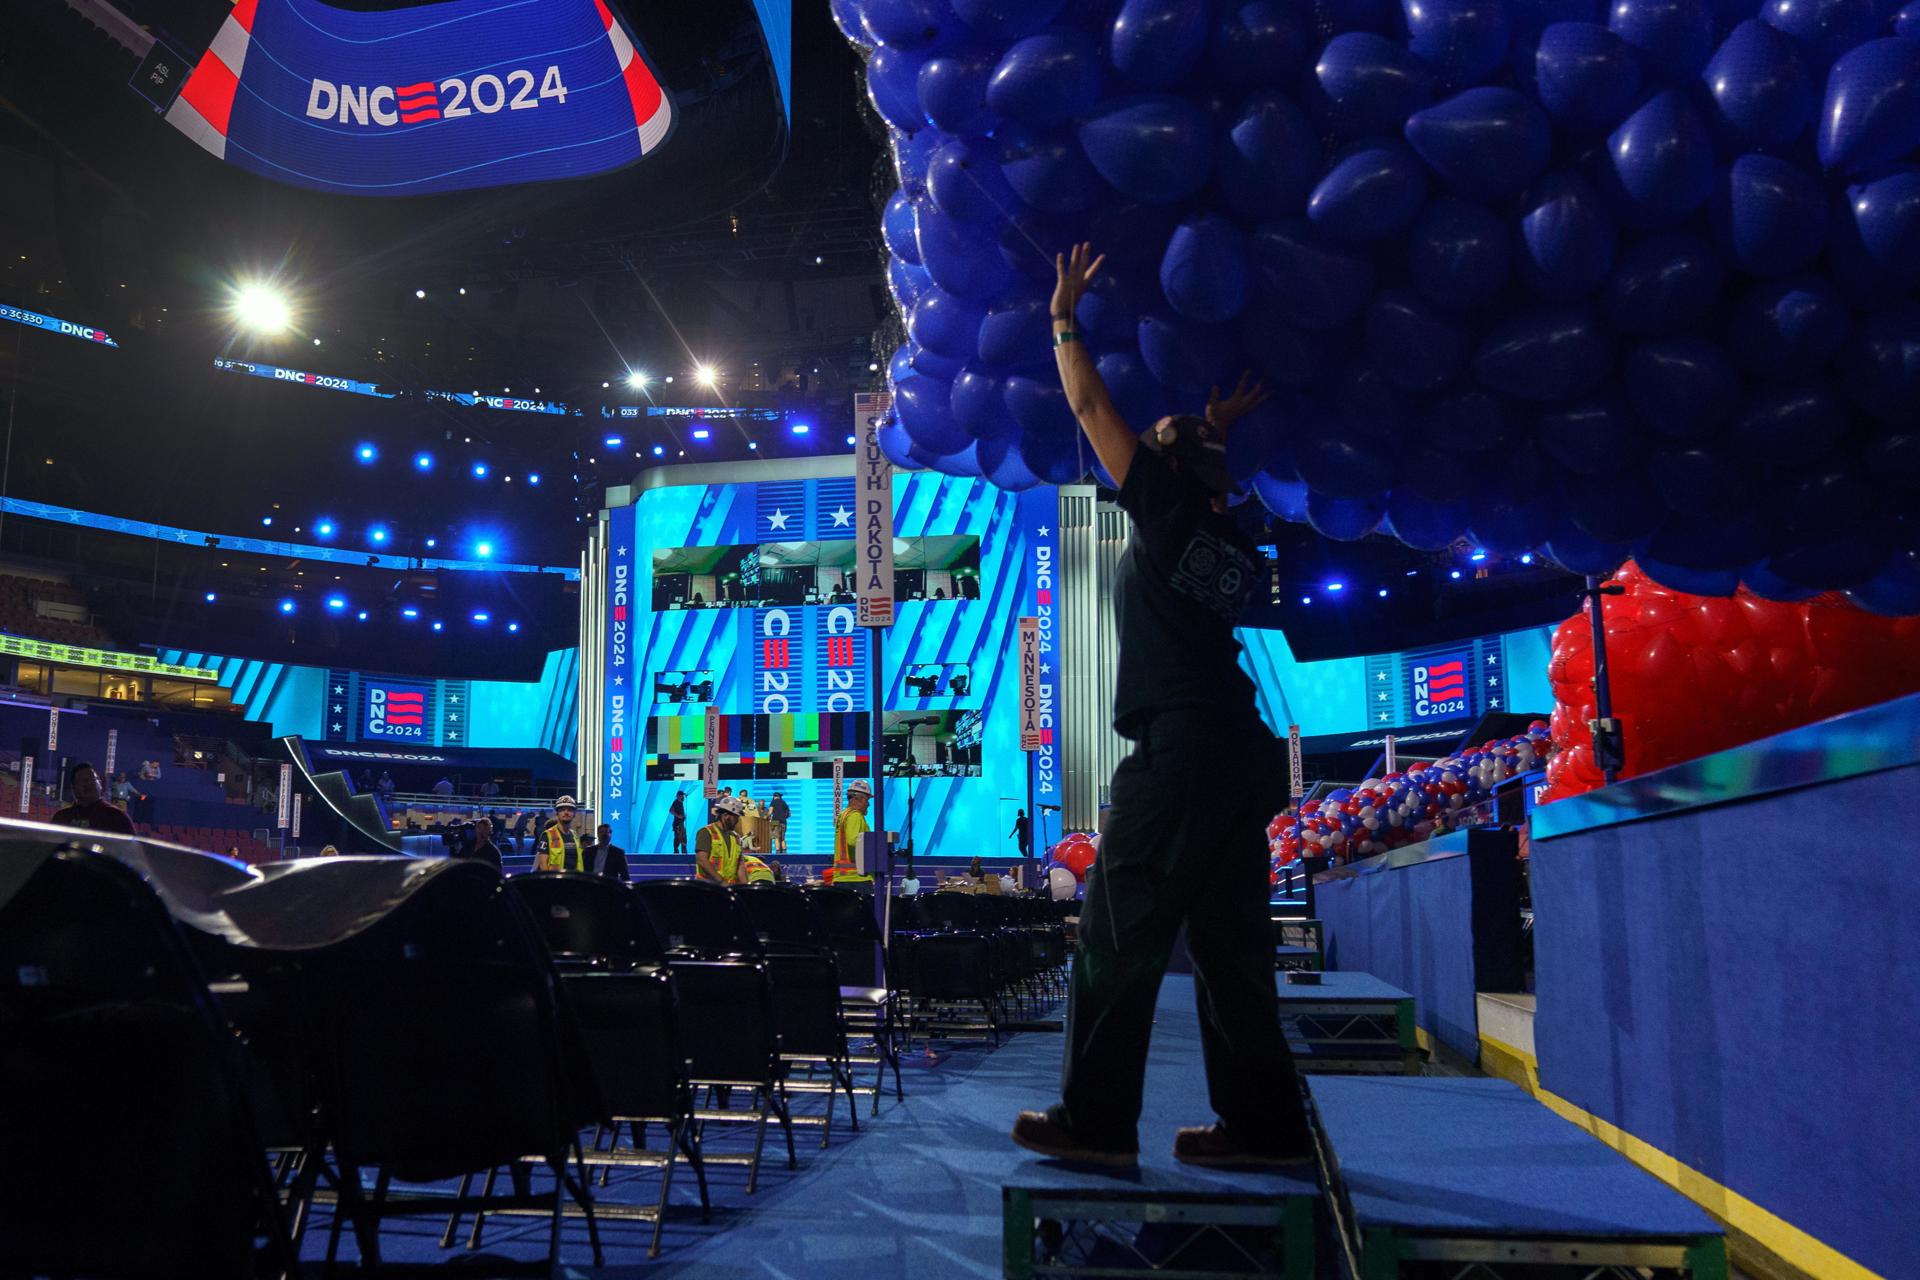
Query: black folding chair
column 871, row 1007
column 731, row 1044
column 588, row 921
column 807, row 1008
column 130, row 1149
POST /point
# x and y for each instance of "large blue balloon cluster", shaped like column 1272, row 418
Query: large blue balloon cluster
column 1550, row 276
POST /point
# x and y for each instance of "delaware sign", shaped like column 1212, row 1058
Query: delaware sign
column 438, row 97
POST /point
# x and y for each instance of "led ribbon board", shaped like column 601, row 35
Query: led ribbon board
column 434, row 98
column 512, row 404
column 301, row 378
column 34, row 320
column 104, row 659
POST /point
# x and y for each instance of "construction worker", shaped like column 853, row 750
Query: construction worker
column 847, row 830
column 717, row 855
column 558, row 848
column 754, row 871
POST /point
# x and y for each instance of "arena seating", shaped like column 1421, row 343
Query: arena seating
column 45, row 609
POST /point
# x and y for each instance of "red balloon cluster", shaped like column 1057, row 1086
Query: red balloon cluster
column 1697, row 674
column 1075, row 853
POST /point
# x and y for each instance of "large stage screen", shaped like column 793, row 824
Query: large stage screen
column 738, row 597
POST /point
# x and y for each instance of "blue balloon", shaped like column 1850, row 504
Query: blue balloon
column 896, row 228
column 959, row 258
column 906, row 282
column 1343, row 519
column 1567, row 238
column 1586, row 77
column 1307, row 278
column 1762, row 92
column 1471, row 420
column 1151, row 147
column 925, row 408
column 1286, row 499
column 846, row 16
column 906, row 24
column 1258, row 43
column 1423, row 523
column 1205, row 273
column 1662, row 157
column 1286, row 354
column 1486, row 144
column 964, row 182
column 893, row 86
column 1701, row 481
column 1039, row 405
column 1760, row 579
column 1003, row 20
column 1370, row 84
column 1894, row 457
column 1047, row 169
column 946, row 325
column 1047, row 79
column 1706, row 541
column 1155, row 43
column 966, row 462
column 1269, row 158
column 1663, row 284
column 1418, row 347
column 1458, row 254
column 1787, row 427
column 934, row 365
column 1056, row 454
column 1872, row 112
column 1596, row 437
column 1001, row 462
column 912, row 154
column 979, row 405
column 1770, row 216
column 1674, row 37
column 1462, row 40
column 1695, row 582
column 1138, row 396
column 1577, row 551
column 1907, row 21
column 1109, row 312
column 952, row 90
column 1883, row 214
column 898, row 446
column 1258, row 442
column 1882, row 365
column 1894, row 589
column 1508, row 525
column 1685, row 388
column 1788, row 328
column 1545, row 354
column 1623, row 510
column 1186, row 357
column 1374, row 410
column 1434, row 471
column 1824, row 28
column 1015, row 334
column 1372, row 193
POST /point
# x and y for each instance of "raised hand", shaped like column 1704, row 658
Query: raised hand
column 1073, row 272
column 1247, row 396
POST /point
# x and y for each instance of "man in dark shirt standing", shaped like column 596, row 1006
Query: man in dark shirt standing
column 1022, row 834
column 1184, row 841
column 88, row 811
column 483, row 848
column 778, row 814
column 607, row 858
column 679, row 811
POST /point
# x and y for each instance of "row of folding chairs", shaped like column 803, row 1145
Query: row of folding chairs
column 969, row 963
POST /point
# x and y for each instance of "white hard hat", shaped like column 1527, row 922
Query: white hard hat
column 859, row 787
column 727, row 804
column 566, row 802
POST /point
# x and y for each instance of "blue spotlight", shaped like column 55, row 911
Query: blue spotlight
column 753, row 446
column 659, row 451
column 324, row 529
column 410, row 613
column 378, row 535
column 1383, row 593
column 479, row 471
column 482, row 618
column 211, row 597
column 286, row 606
column 266, row 521
column 614, row 442
column 1477, row 556
column 513, row 626
column 1527, row 558
column 483, row 550
column 439, row 626
column 362, row 615
column 533, row 477
column 702, row 434
column 367, row 454
column 423, row 462
column 852, row 440
column 1336, row 585
column 800, row 428
column 1306, row 599
column 1455, row 574
column 337, row 603
column 432, row 543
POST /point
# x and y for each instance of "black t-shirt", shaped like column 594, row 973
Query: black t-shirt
column 98, row 816
column 778, row 810
column 1187, row 574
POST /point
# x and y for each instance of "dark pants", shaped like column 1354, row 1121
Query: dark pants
column 680, row 837
column 1185, row 844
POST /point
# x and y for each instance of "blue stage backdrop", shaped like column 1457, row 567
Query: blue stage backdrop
column 734, row 601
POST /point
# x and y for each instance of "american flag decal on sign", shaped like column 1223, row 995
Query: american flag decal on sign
column 406, row 708
column 840, row 651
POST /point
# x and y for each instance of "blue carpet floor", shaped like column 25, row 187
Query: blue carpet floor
column 915, row 1193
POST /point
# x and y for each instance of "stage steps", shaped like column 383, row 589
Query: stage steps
column 1350, row 1023
column 1452, row 1176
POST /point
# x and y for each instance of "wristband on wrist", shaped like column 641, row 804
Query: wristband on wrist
column 1065, row 336
column 1063, row 319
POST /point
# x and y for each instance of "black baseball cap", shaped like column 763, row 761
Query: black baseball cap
column 1200, row 448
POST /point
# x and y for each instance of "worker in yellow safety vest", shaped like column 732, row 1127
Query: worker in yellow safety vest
column 847, row 830
column 558, row 848
column 754, row 871
column 717, row 855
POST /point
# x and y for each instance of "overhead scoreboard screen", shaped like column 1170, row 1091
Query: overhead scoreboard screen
column 423, row 99
column 740, row 597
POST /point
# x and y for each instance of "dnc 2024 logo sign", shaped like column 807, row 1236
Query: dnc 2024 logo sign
column 1437, row 685
column 396, row 711
column 434, row 98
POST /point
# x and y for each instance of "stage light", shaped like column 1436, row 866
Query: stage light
column 533, row 477
column 266, row 521
column 702, row 434
column 367, row 453
column 873, row 368
column 513, row 626
column 1477, row 556
column 419, row 293
column 423, row 462
column 637, row 379
column 800, row 428
column 1383, row 593
column 753, row 446
column 1455, row 574
column 669, row 377
column 261, row 308
column 323, row 529
column 409, row 613
column 316, row 342
column 706, row 375
column 1527, row 558
column 605, row 385
column 479, row 471
column 483, row 550
column 482, row 619
column 1336, row 586
column 362, row 615
column 377, row 535
column 1306, row 599
column 336, row 603
column 659, row 450
column 614, row 442
column 851, row 440
column 211, row 597
column 432, row 543
column 439, row 626
column 463, row 291
column 286, row 606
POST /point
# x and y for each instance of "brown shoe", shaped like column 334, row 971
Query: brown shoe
column 1037, row 1132
column 1213, row 1148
